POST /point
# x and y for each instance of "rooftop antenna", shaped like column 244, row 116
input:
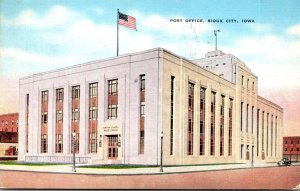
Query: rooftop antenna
column 216, row 35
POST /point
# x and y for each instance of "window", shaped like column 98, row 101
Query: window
column 76, row 92
column 247, row 83
column 44, row 96
column 75, row 125
column 262, row 131
column 272, row 135
column 202, row 121
column 59, row 94
column 257, row 132
column 59, row 116
column 113, row 87
column 242, row 104
column 142, row 114
column 142, row 79
column 75, row 114
column 112, row 111
column 242, row 80
column 93, row 90
column 242, row 151
column 44, row 118
column 142, row 109
column 212, row 124
column 142, row 142
column 58, row 143
column 93, row 113
column 222, row 125
column 247, row 116
column 276, row 136
column 253, row 86
column 59, row 120
column 93, row 142
column 252, row 113
column 26, row 121
column 172, row 116
column 267, row 142
column 93, row 116
column 44, row 143
column 112, row 99
column 230, row 127
column 190, row 132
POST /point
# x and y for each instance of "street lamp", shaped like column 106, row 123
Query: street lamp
column 161, row 151
column 74, row 144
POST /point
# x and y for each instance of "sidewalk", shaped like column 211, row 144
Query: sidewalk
column 67, row 168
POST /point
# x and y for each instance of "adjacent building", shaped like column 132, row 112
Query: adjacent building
column 9, row 135
column 291, row 148
column 113, row 111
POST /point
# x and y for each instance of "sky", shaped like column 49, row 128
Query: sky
column 38, row 36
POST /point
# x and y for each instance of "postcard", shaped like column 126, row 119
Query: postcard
column 149, row 94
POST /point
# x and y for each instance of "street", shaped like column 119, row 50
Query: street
column 256, row 178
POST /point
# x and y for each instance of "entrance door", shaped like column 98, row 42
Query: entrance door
column 112, row 146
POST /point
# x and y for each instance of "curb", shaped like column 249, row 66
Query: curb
column 146, row 174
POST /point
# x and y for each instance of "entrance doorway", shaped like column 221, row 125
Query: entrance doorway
column 112, row 146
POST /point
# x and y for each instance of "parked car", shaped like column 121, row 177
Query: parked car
column 284, row 162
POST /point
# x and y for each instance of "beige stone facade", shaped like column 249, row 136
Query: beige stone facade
column 208, row 110
column 227, row 77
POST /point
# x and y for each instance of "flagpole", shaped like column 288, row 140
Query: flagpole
column 118, row 33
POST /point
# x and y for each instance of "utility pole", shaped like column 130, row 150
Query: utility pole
column 216, row 35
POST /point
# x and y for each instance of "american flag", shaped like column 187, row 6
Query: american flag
column 127, row 21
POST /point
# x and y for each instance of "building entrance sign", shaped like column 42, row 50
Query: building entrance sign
column 110, row 128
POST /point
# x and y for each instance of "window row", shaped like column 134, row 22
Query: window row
column 201, row 129
column 247, row 83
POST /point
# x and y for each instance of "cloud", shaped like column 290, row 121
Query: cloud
column 272, row 58
column 83, row 40
column 56, row 16
column 260, row 27
column 99, row 10
column 19, row 62
column 294, row 30
column 80, row 37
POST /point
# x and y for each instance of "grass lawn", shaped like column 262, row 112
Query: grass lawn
column 114, row 166
column 120, row 166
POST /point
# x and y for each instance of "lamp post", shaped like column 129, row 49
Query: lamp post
column 161, row 151
column 74, row 144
